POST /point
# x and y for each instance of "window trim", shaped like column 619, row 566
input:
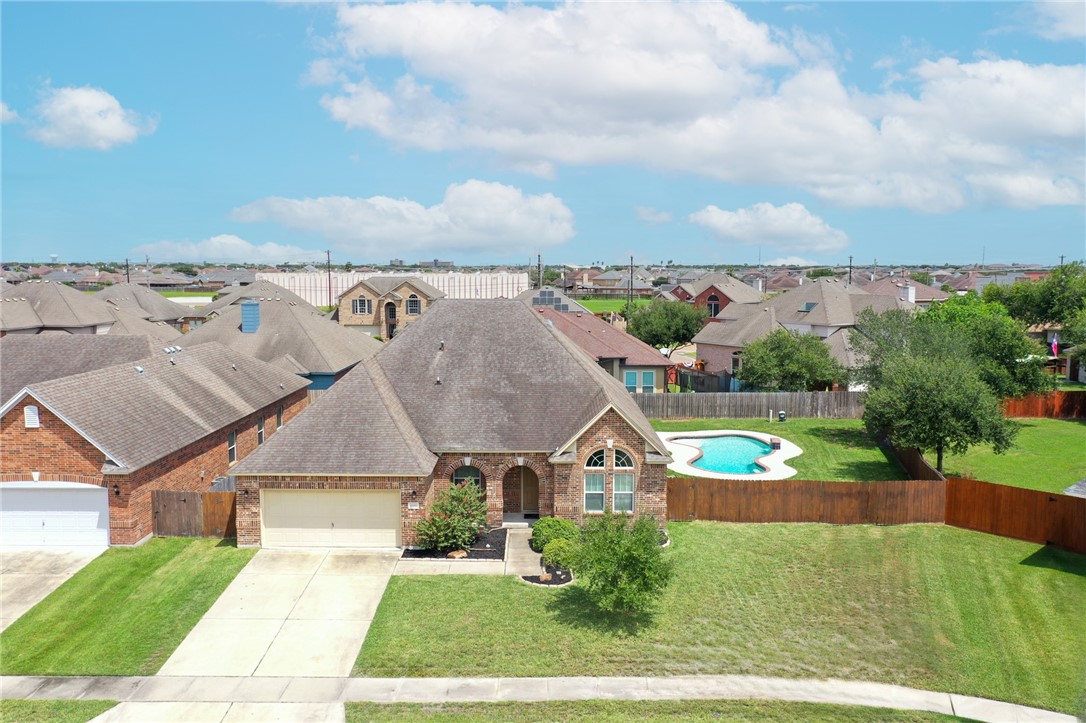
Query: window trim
column 651, row 377
column 627, row 455
column 361, row 306
column 260, row 430
column 626, row 380
column 602, row 455
column 279, row 417
column 232, row 446
column 615, row 492
column 413, row 300
column 601, row 493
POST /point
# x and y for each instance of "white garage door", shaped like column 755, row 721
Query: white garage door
column 53, row 514
column 330, row 518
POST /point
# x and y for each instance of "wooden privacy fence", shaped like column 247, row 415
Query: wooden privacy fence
column 913, row 462
column 752, row 405
column 193, row 514
column 1053, row 405
column 838, row 503
column 1032, row 515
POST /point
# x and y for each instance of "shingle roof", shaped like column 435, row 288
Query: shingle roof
column 503, row 380
column 732, row 287
column 138, row 417
column 29, row 358
column 892, row 286
column 600, row 340
column 17, row 314
column 128, row 324
column 841, row 349
column 60, row 306
column 255, row 290
column 825, row 302
column 143, row 302
column 358, row 427
column 739, row 332
column 317, row 344
column 550, row 297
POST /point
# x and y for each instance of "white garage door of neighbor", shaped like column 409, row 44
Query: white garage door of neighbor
column 330, row 518
column 53, row 514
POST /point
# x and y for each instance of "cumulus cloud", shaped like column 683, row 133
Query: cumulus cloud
column 1061, row 20
column 86, row 117
column 649, row 214
column 472, row 216
column 791, row 261
column 225, row 248
column 701, row 88
column 7, row 115
column 790, row 227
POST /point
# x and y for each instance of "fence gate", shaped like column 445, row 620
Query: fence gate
column 177, row 514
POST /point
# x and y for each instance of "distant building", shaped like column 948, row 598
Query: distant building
column 396, row 262
column 435, row 264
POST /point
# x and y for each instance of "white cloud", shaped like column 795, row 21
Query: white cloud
column 649, row 214
column 7, row 115
column 790, row 261
column 1059, row 20
column 86, row 117
column 225, row 248
column 700, row 88
column 472, row 216
column 788, row 228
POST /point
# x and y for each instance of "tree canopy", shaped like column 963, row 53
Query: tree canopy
column 666, row 324
column 789, row 361
column 1055, row 299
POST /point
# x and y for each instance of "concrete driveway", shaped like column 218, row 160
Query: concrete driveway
column 27, row 576
column 288, row 613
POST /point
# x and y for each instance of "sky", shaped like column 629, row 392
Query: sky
column 713, row 133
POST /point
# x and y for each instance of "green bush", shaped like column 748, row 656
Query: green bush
column 560, row 553
column 457, row 518
column 551, row 528
column 623, row 565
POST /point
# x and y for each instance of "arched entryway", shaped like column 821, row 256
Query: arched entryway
column 520, row 492
column 390, row 320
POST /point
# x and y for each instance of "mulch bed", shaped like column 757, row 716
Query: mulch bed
column 558, row 577
column 489, row 546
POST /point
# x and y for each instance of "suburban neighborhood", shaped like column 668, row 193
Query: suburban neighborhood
column 542, row 362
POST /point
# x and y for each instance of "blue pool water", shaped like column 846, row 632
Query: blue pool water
column 729, row 454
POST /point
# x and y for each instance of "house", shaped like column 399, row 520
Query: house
column 128, row 324
column 36, row 306
column 83, row 453
column 291, row 336
column 617, row 283
column 640, row 367
column 221, row 278
column 384, row 305
column 551, row 298
column 26, row 359
column 480, row 390
column 714, row 292
column 912, row 291
column 147, row 304
column 260, row 290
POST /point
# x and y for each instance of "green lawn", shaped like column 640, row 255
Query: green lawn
column 597, row 306
column 925, row 606
column 53, row 711
column 125, row 612
column 187, row 294
column 1049, row 455
column 833, row 449
column 1066, row 385
column 618, row 711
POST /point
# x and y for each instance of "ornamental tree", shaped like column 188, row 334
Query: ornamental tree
column 666, row 324
column 790, row 362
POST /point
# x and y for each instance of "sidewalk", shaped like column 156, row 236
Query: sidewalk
column 165, row 698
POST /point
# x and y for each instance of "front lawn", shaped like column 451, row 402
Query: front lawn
column 1048, row 455
column 924, row 606
column 618, row 711
column 53, row 711
column 125, row 612
column 834, row 450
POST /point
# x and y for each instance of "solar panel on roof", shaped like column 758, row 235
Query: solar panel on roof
column 563, row 307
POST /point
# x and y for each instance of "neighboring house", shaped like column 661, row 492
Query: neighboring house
column 912, row 291
column 384, row 305
column 147, row 304
column 36, row 306
column 713, row 292
column 26, row 359
column 83, row 453
column 637, row 365
column 549, row 298
column 617, row 283
column 128, row 324
column 220, row 278
column 822, row 307
column 480, row 390
column 259, row 290
column 165, row 280
column 291, row 336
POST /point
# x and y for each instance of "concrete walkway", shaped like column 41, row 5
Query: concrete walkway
column 167, row 698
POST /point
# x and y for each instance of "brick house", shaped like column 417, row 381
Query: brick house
column 714, row 292
column 384, row 305
column 474, row 390
column 83, row 453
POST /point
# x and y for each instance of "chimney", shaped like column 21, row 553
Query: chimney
column 908, row 293
column 250, row 316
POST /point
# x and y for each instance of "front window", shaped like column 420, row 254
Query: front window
column 593, row 492
column 624, row 492
column 232, row 447
column 414, row 306
column 260, row 430
column 648, row 382
column 468, row 474
column 361, row 305
column 713, row 302
column 631, row 381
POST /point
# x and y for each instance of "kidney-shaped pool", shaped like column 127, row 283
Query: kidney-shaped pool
column 730, row 454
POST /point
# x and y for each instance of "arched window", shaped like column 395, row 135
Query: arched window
column 595, row 481
column 414, row 306
column 713, row 302
column 466, row 473
column 623, row 460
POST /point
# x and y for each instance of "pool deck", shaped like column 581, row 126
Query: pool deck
column 684, row 454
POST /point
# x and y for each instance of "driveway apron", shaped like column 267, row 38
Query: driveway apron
column 288, row 613
column 27, row 576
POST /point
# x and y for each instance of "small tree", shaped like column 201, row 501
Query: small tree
column 623, row 566
column 666, row 324
column 921, row 277
column 457, row 518
column 790, row 362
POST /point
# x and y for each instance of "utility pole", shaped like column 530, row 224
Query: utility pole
column 148, row 259
column 329, row 267
column 127, row 273
column 1061, row 259
column 539, row 268
column 629, row 292
column 850, row 270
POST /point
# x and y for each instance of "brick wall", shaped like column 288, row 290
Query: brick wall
column 61, row 451
column 494, row 466
column 377, row 318
column 717, row 358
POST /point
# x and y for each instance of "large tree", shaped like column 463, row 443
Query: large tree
column 666, row 324
column 1055, row 299
column 790, row 362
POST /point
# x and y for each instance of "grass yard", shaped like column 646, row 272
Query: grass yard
column 125, row 612
column 187, row 294
column 1067, row 385
column 1049, row 455
column 925, row 606
column 598, row 306
column 834, row 450
column 618, row 711
column 53, row 711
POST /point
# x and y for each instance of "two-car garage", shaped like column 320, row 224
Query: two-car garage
column 53, row 514
column 330, row 518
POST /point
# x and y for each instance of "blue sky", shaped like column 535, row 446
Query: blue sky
column 802, row 132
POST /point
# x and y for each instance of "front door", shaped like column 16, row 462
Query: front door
column 529, row 490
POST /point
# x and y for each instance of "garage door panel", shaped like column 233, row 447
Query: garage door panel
column 54, row 514
column 331, row 518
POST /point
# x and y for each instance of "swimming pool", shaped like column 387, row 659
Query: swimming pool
column 729, row 454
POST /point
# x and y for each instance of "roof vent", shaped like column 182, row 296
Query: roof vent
column 30, row 417
column 809, row 306
column 441, row 345
column 438, row 381
column 139, row 369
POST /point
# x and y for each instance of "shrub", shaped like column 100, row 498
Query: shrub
column 623, row 566
column 560, row 553
column 457, row 517
column 551, row 528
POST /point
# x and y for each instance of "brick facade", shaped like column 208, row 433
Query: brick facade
column 56, row 451
column 378, row 316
